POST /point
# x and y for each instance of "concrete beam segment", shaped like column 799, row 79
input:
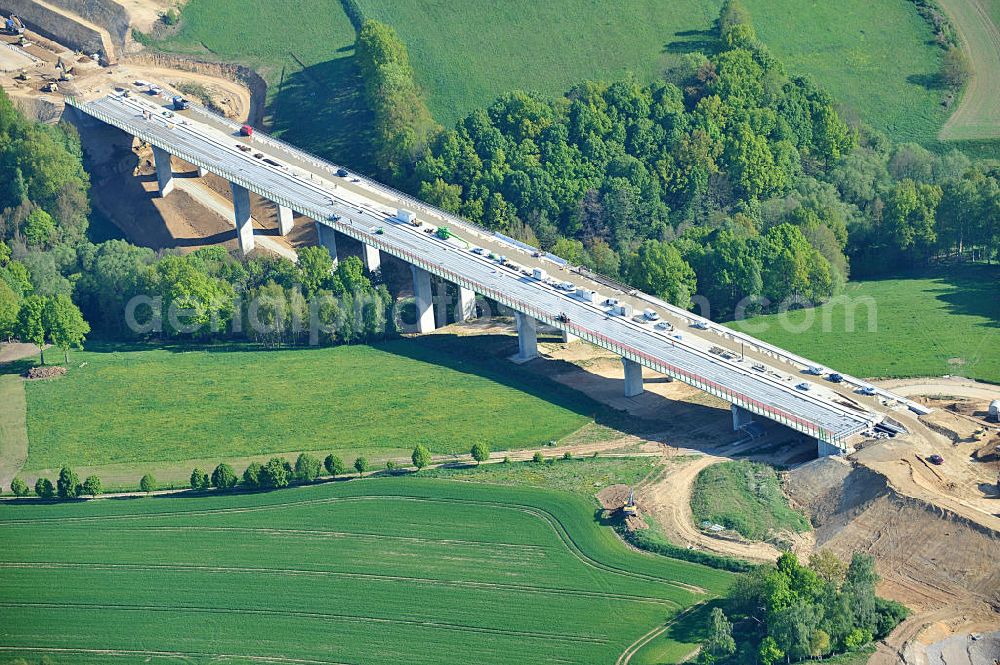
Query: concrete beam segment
column 284, row 219
column 633, row 377
column 741, row 417
column 371, row 257
column 327, row 238
column 244, row 222
column 164, row 174
column 466, row 304
column 424, row 299
column 824, row 449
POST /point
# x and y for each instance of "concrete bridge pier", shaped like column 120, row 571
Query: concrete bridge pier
column 741, row 417
column 568, row 337
column 371, row 257
column 466, row 304
column 423, row 297
column 164, row 174
column 202, row 172
column 633, row 377
column 527, row 337
column 327, row 238
column 284, row 219
column 244, row 223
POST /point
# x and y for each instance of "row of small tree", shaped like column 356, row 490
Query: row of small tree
column 275, row 473
column 68, row 486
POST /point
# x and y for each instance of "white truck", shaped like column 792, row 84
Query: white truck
column 407, row 216
column 650, row 314
column 539, row 274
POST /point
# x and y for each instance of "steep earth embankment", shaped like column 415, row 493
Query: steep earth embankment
column 63, row 26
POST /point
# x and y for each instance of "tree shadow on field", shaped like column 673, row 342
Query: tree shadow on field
column 322, row 109
column 972, row 290
column 931, row 81
column 705, row 41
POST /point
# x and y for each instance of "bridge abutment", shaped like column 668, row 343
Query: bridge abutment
column 164, row 172
column 633, row 377
column 527, row 337
column 824, row 449
column 741, row 417
column 423, row 297
column 244, row 222
column 202, row 172
column 568, row 337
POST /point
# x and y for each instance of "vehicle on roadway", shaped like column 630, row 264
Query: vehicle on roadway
column 246, row 130
column 342, row 172
column 815, row 370
column 181, row 104
column 663, row 325
column 650, row 314
column 936, row 459
column 836, row 378
column 562, row 318
column 700, row 325
column 867, row 390
column 803, row 386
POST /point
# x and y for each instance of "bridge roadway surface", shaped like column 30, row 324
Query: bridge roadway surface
column 829, row 413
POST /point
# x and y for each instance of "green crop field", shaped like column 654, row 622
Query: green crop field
column 372, row 571
column 946, row 323
column 746, row 497
column 167, row 405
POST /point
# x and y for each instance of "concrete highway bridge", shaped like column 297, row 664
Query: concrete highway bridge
column 756, row 378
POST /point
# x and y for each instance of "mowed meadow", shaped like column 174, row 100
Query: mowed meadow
column 141, row 407
column 370, row 571
column 944, row 323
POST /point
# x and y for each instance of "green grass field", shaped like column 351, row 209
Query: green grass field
column 169, row 405
column 946, row 323
column 978, row 114
column 466, row 53
column 745, row 497
column 373, row 571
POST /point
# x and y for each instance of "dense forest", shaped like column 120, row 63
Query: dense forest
column 730, row 177
column 55, row 285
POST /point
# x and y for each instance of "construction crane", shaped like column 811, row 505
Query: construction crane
column 630, row 509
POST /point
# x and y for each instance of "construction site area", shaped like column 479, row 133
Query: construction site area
column 925, row 503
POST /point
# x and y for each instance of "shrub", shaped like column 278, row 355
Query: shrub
column 44, row 489
column 92, row 486
column 275, row 473
column 421, row 456
column 538, row 458
column 391, row 467
column 480, row 452
column 199, row 480
column 19, row 487
column 361, row 465
column 307, row 468
column 147, row 483
column 68, row 484
column 567, row 455
column 251, row 476
column 224, row 477
column 334, row 465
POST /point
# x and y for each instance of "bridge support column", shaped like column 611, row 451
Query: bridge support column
column 164, row 174
column 244, row 223
column 633, row 377
column 423, row 297
column 568, row 338
column 741, row 417
column 284, row 220
column 202, row 172
column 824, row 449
column 327, row 238
column 371, row 257
column 527, row 337
column 466, row 304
